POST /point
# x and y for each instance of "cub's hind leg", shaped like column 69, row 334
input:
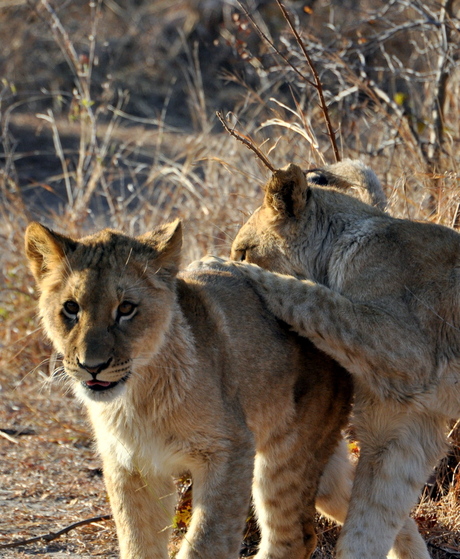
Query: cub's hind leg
column 290, row 462
column 409, row 543
column 286, row 521
column 334, row 492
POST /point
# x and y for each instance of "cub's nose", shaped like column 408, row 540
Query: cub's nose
column 94, row 368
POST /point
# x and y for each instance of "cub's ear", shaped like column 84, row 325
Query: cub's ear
column 287, row 192
column 166, row 241
column 45, row 249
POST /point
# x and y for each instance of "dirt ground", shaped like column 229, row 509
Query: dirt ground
column 49, row 475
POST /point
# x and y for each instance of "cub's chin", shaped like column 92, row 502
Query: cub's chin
column 100, row 391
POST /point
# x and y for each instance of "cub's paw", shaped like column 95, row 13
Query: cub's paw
column 263, row 280
column 217, row 263
column 207, row 262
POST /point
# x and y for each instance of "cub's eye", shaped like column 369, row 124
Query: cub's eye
column 71, row 309
column 126, row 309
column 240, row 254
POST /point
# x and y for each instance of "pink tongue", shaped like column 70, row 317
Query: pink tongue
column 98, row 383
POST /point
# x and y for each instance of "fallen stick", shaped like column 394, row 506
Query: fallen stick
column 443, row 549
column 54, row 535
column 8, row 437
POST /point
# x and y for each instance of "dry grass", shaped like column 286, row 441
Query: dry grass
column 98, row 157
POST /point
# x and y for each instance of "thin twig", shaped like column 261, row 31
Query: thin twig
column 318, row 86
column 246, row 141
column 8, row 437
column 62, row 39
column 54, row 535
column 437, row 126
column 267, row 39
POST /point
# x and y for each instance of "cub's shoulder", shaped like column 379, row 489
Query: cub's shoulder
column 217, row 285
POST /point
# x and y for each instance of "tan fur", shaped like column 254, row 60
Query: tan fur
column 354, row 177
column 382, row 298
column 198, row 377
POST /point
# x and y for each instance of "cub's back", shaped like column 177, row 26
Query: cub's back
column 253, row 350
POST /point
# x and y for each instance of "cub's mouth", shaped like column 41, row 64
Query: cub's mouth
column 101, row 385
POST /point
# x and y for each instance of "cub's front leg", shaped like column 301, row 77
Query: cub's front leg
column 143, row 508
column 221, row 498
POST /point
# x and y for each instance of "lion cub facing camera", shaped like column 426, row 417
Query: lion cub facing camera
column 190, row 373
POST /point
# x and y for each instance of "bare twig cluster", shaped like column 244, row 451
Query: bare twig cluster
column 316, row 84
column 388, row 73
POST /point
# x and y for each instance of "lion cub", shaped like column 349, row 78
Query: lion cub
column 190, row 373
column 380, row 295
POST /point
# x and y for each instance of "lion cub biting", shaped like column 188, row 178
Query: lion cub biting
column 190, row 373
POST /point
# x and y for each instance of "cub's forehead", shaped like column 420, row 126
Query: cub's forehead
column 105, row 250
column 102, row 282
column 111, row 266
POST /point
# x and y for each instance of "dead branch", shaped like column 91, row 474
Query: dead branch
column 317, row 82
column 246, row 141
column 54, row 535
column 452, row 553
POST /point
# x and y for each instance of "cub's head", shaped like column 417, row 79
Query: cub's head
column 106, row 301
column 266, row 238
column 301, row 215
